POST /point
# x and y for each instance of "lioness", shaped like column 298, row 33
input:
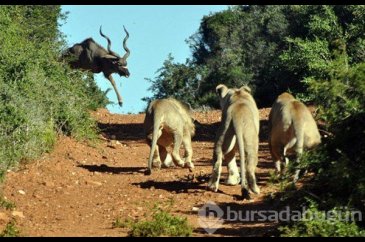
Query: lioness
column 291, row 129
column 169, row 121
column 240, row 121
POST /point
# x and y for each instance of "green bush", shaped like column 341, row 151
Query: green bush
column 10, row 230
column 333, row 223
column 118, row 223
column 40, row 97
column 162, row 224
column 338, row 163
column 6, row 204
column 272, row 48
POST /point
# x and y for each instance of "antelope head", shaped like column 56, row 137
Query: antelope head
column 118, row 64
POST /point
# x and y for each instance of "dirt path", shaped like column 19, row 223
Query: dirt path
column 79, row 189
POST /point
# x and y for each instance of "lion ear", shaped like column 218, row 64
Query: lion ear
column 246, row 88
column 221, row 90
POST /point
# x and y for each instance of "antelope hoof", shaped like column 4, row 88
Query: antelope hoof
column 147, row 172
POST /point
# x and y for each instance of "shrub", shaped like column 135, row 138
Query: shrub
column 162, row 224
column 40, row 97
column 338, row 163
column 6, row 204
column 333, row 223
column 10, row 230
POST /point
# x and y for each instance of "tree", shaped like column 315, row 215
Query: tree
column 180, row 81
column 273, row 48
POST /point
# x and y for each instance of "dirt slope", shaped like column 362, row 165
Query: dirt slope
column 79, row 189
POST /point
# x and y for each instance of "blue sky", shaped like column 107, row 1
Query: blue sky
column 155, row 31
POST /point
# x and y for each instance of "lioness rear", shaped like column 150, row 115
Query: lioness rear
column 240, row 122
column 291, row 129
column 169, row 121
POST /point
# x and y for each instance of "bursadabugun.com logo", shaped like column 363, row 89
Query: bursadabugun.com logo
column 212, row 217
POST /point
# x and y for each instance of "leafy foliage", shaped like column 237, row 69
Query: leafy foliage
column 162, row 224
column 39, row 95
column 271, row 48
column 6, row 204
column 341, row 157
column 334, row 80
column 10, row 230
column 172, row 77
column 333, row 223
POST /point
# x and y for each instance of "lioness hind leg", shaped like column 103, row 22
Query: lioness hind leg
column 222, row 146
column 213, row 183
column 165, row 157
column 168, row 162
column 285, row 158
column 175, row 152
column 188, row 152
column 156, row 162
column 275, row 154
column 234, row 177
column 298, row 151
column 251, row 177
column 229, row 148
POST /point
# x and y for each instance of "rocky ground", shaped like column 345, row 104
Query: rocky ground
column 81, row 188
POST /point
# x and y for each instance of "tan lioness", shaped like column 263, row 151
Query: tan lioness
column 169, row 121
column 240, row 122
column 291, row 129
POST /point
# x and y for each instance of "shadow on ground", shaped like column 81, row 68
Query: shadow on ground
column 122, row 132
column 173, row 186
column 135, row 131
column 264, row 130
column 114, row 170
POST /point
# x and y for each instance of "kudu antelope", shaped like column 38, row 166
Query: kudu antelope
column 89, row 55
